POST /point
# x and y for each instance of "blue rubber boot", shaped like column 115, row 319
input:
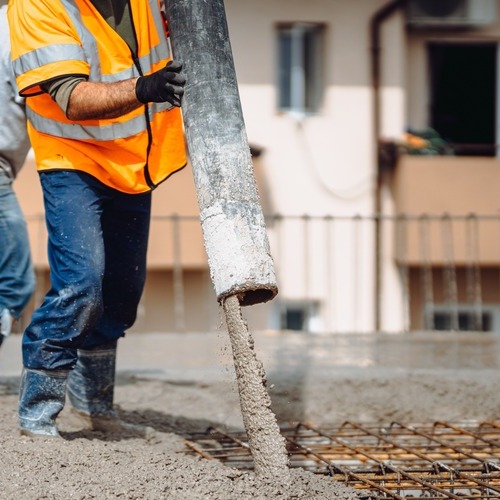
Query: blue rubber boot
column 90, row 390
column 91, row 383
column 41, row 399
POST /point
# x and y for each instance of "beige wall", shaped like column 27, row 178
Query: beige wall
column 453, row 184
column 457, row 186
column 320, row 164
column 324, row 162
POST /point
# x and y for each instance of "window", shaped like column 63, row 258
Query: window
column 463, row 95
column 300, row 51
column 464, row 317
column 299, row 316
column 295, row 319
column 466, row 321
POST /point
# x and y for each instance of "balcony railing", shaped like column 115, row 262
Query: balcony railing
column 436, row 272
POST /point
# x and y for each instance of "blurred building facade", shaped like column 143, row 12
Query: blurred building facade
column 374, row 126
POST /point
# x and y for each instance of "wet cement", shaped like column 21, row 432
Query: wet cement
column 184, row 383
column 89, row 464
column 266, row 443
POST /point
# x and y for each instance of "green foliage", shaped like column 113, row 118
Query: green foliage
column 425, row 142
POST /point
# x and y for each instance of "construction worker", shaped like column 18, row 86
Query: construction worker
column 103, row 102
column 17, row 279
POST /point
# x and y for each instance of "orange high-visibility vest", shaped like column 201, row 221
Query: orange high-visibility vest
column 53, row 38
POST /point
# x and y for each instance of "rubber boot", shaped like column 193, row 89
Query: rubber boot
column 5, row 324
column 41, row 399
column 91, row 386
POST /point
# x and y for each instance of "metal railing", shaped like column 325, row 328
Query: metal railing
column 437, row 272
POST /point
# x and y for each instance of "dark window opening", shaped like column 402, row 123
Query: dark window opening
column 295, row 319
column 300, row 51
column 463, row 100
column 298, row 316
column 467, row 321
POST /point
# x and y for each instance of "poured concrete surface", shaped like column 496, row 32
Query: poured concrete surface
column 206, row 354
column 181, row 383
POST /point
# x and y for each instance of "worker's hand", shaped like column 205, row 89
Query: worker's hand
column 165, row 85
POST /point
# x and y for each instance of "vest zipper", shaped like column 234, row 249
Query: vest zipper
column 147, row 176
column 137, row 64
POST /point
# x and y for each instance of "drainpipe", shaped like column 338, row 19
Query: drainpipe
column 376, row 21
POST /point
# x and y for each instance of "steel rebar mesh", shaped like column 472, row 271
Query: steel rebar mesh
column 437, row 460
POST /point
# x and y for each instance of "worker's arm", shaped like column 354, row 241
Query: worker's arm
column 91, row 100
column 96, row 100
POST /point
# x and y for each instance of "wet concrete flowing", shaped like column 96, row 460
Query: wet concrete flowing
column 266, row 443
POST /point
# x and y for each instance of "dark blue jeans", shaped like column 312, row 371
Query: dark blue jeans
column 97, row 254
column 17, row 278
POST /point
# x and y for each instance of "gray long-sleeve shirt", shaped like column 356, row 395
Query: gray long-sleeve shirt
column 14, row 141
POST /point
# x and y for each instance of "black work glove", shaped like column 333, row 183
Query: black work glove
column 165, row 85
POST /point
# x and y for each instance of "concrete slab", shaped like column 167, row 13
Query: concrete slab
column 200, row 355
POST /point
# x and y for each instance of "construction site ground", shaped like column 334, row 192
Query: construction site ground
column 181, row 386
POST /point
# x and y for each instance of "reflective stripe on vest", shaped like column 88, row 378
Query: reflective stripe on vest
column 79, row 132
column 87, row 39
column 145, row 62
column 46, row 55
column 160, row 28
column 62, row 52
